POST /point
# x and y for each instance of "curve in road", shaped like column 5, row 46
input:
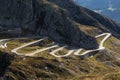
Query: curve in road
column 101, row 47
column 33, row 42
column 41, row 50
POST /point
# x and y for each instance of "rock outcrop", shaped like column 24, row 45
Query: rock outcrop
column 5, row 59
column 58, row 19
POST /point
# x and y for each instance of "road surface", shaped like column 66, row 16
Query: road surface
column 101, row 47
column 41, row 50
column 33, row 42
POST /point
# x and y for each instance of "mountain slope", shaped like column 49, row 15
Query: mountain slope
column 87, row 17
column 110, row 8
column 64, row 22
column 61, row 20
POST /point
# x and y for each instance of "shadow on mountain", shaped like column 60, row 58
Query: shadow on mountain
column 88, row 17
column 60, row 20
column 4, row 62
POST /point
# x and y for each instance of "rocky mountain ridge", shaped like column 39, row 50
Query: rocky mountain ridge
column 61, row 20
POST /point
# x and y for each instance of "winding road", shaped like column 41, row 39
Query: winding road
column 61, row 48
column 101, row 47
column 25, row 45
column 41, row 50
column 76, row 52
column 3, row 42
column 3, row 45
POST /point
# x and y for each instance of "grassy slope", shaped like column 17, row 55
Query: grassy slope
column 46, row 67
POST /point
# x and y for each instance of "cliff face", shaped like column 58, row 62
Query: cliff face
column 58, row 19
column 85, row 16
column 5, row 59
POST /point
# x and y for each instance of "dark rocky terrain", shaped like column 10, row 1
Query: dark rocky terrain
column 5, row 59
column 61, row 20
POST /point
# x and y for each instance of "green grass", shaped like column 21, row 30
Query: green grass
column 29, row 49
column 16, row 43
column 32, row 48
column 90, row 68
